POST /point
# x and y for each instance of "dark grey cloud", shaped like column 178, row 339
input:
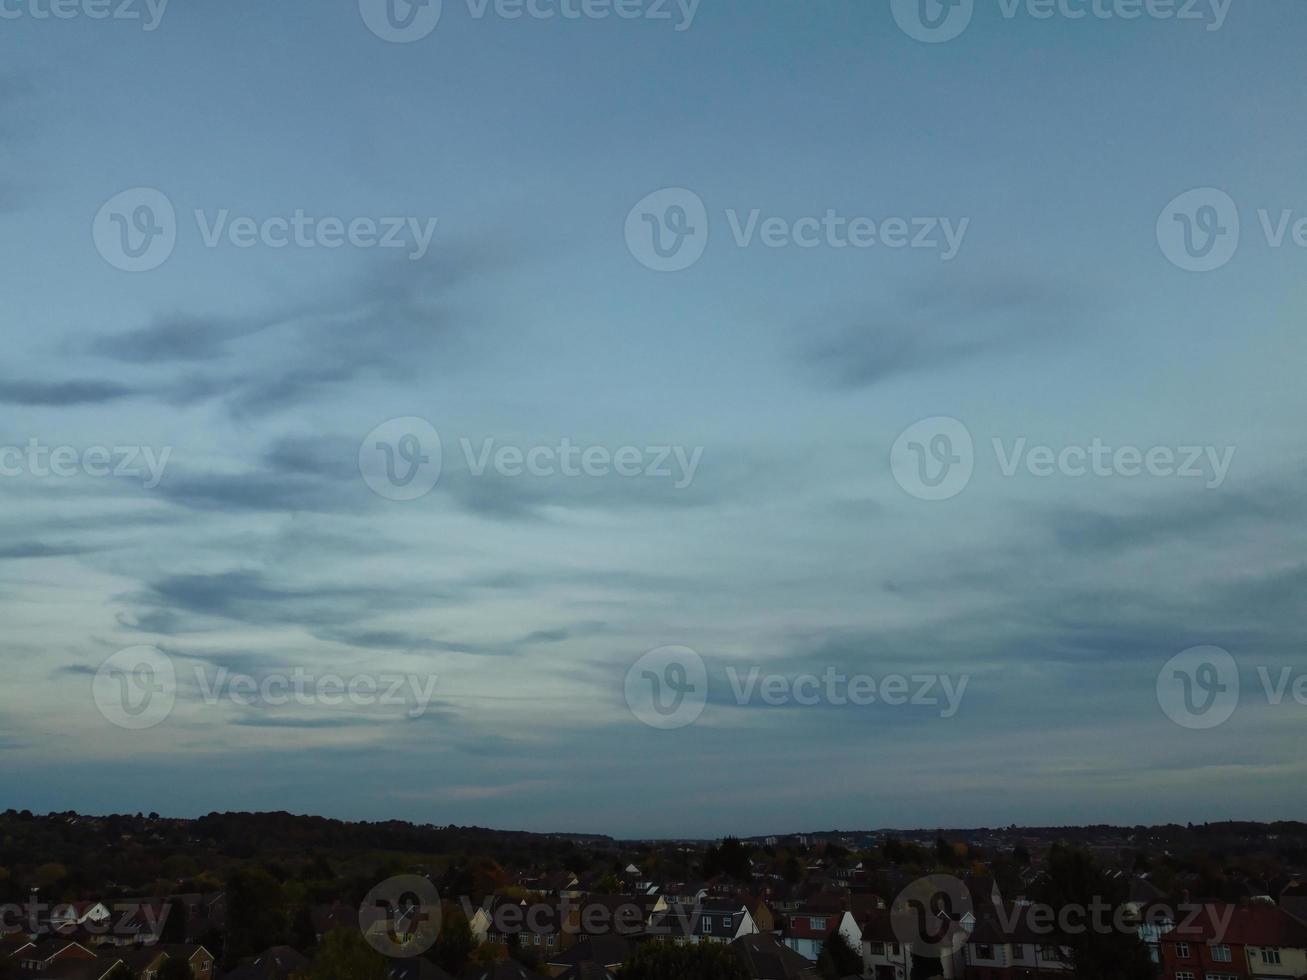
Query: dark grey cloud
column 932, row 328
column 37, row 549
column 175, row 338
column 398, row 321
column 62, row 393
column 251, row 597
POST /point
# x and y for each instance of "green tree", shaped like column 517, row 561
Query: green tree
column 256, row 913
column 174, row 923
column 455, row 943
column 346, row 955
column 838, row 959
column 1099, row 950
column 663, row 961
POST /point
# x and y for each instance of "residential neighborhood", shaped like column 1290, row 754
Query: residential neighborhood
column 1014, row 904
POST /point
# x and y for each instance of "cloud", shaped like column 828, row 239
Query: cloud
column 62, row 393
column 397, row 321
column 37, row 549
column 930, row 329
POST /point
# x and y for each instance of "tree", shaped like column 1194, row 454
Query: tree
column 732, row 858
column 838, row 959
column 346, row 955
column 256, row 913
column 455, row 944
column 174, row 923
column 1099, row 950
column 175, row 968
column 663, row 961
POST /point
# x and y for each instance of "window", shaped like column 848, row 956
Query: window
column 877, row 949
column 1183, row 975
column 1182, row 950
column 549, row 940
column 817, row 923
column 985, row 951
column 1018, row 950
column 707, row 923
column 1270, row 956
column 1220, row 954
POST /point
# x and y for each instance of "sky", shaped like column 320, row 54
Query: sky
column 608, row 388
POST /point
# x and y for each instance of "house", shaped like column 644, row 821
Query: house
column 809, row 927
column 1005, row 943
column 766, row 958
column 79, row 968
column 414, row 968
column 883, row 956
column 608, row 952
column 1253, row 942
column 588, row 971
column 541, row 925
column 38, row 955
column 502, row 970
column 200, row 960
column 274, row 963
column 711, row 921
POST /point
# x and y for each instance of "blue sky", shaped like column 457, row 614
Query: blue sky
column 531, row 317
